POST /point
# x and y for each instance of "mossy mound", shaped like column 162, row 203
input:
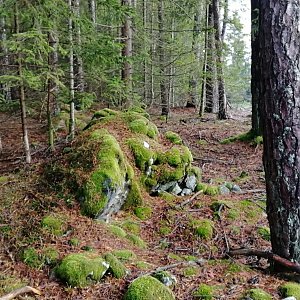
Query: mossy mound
column 202, row 228
column 54, row 223
column 204, row 291
column 290, row 289
column 117, row 269
column 257, row 294
column 124, row 255
column 136, row 240
column 117, row 231
column 173, row 137
column 148, row 288
column 32, row 258
column 79, row 270
column 143, row 213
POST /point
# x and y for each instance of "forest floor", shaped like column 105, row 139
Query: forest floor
column 237, row 218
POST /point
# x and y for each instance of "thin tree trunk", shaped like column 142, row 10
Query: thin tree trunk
column 225, row 20
column 127, row 53
column 92, row 10
column 280, row 101
column 171, row 92
column 161, row 53
column 145, row 67
column 255, row 79
column 219, row 49
column 152, row 50
column 211, row 74
column 22, row 93
column 71, row 74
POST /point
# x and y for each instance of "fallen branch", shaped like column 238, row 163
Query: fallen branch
column 294, row 267
column 188, row 200
column 253, row 191
column 20, row 291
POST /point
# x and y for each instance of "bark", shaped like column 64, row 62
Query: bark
column 211, row 76
column 145, row 66
column 127, row 52
column 71, row 76
column 222, row 114
column 22, row 93
column 225, row 20
column 152, row 55
column 280, row 101
column 255, row 80
column 92, row 10
column 161, row 53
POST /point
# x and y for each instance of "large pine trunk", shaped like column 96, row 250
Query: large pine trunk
column 280, row 95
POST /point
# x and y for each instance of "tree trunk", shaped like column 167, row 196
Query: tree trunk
column 127, row 53
column 222, row 114
column 145, row 66
column 165, row 107
column 255, row 80
column 71, row 76
column 280, row 96
column 92, row 9
column 211, row 76
column 225, row 20
column 22, row 93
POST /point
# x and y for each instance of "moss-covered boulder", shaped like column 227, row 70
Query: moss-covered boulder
column 257, row 294
column 79, row 270
column 290, row 289
column 116, row 267
column 148, row 288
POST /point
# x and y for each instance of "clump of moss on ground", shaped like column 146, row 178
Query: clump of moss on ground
column 244, row 137
column 117, row 269
column 125, row 255
column 54, row 223
column 202, row 228
column 143, row 212
column 136, row 240
column 290, row 289
column 264, row 232
column 148, row 288
column 204, row 291
column 79, row 270
column 257, row 294
column 173, row 137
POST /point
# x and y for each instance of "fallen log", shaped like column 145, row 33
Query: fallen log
column 288, row 265
column 20, row 291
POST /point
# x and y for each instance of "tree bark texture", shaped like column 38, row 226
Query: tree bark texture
column 161, row 53
column 280, row 95
column 222, row 114
column 255, row 80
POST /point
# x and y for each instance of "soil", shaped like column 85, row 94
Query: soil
column 236, row 221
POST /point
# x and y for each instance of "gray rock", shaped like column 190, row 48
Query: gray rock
column 290, row 298
column 116, row 199
column 176, row 190
column 236, row 189
column 186, row 192
column 166, row 278
column 191, row 182
column 224, row 190
column 167, row 186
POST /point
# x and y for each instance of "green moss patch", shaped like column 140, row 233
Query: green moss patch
column 204, row 291
column 290, row 289
column 190, row 271
column 264, row 233
column 136, row 240
column 142, row 265
column 131, row 226
column 208, row 189
column 125, row 255
column 143, row 213
column 32, row 258
column 202, row 228
column 173, row 137
column 134, row 198
column 117, row 269
column 244, row 137
column 117, row 231
column 258, row 294
column 148, row 288
column 79, row 270
column 143, row 126
column 51, row 256
column 54, row 223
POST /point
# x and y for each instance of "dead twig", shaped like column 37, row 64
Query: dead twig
column 20, row 291
column 294, row 267
column 188, row 200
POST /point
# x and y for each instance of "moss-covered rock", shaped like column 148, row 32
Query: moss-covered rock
column 143, row 212
column 144, row 126
column 117, row 269
column 173, row 137
column 79, row 270
column 290, row 289
column 148, row 288
column 134, row 197
column 165, row 277
column 257, row 294
column 54, row 223
column 202, row 228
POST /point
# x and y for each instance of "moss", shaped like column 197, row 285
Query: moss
column 196, row 171
column 244, row 137
column 264, row 232
column 131, row 226
column 173, row 157
column 202, row 228
column 79, row 270
column 167, row 173
column 173, row 137
column 104, row 113
column 233, row 214
column 4, row 179
column 186, row 155
column 142, row 265
column 31, row 258
column 143, row 213
column 165, row 277
column 167, row 196
column 201, row 187
column 148, row 288
column 50, row 255
column 74, row 242
column 165, row 230
column 190, row 258
column 136, row 240
column 190, row 271
column 117, row 269
column 110, row 173
column 290, row 289
column 134, row 198
column 142, row 154
column 258, row 294
column 204, row 291
column 212, row 190
column 54, row 224
column 175, row 257
column 125, row 255
column 10, row 283
column 117, row 231
column 143, row 126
